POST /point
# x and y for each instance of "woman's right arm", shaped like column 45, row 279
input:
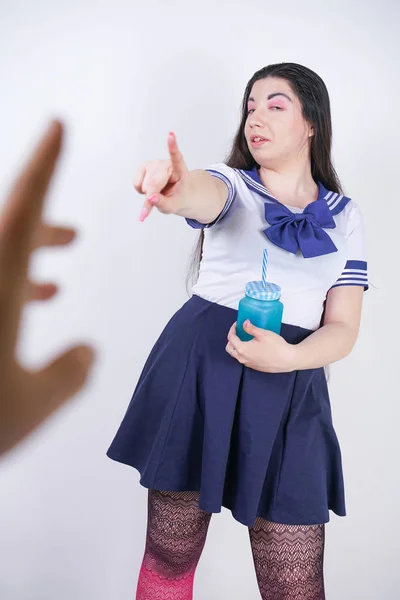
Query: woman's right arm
column 173, row 189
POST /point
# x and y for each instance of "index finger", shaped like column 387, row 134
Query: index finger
column 25, row 201
column 19, row 222
column 178, row 164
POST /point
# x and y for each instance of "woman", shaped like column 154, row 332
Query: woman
column 247, row 425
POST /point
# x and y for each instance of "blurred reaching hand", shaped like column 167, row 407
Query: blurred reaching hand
column 27, row 398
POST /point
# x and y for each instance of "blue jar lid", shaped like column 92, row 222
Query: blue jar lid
column 256, row 290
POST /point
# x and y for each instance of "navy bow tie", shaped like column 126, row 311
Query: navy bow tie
column 292, row 231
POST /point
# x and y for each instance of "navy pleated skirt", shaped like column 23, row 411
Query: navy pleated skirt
column 259, row 444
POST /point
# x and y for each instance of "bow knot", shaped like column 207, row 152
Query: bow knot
column 304, row 231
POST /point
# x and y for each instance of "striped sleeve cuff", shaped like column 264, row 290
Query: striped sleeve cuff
column 231, row 195
column 355, row 273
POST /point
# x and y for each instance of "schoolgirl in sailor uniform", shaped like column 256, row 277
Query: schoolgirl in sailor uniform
column 215, row 422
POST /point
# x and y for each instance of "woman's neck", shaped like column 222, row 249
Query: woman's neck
column 292, row 186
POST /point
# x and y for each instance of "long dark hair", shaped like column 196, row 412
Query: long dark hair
column 314, row 99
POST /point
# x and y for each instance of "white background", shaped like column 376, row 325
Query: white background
column 121, row 75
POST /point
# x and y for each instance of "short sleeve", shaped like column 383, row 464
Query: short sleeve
column 356, row 268
column 227, row 175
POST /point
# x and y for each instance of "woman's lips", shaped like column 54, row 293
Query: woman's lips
column 257, row 141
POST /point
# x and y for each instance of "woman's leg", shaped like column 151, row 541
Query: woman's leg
column 176, row 534
column 288, row 560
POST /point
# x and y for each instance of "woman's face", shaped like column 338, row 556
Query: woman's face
column 276, row 132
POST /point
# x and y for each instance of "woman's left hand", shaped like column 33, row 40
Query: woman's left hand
column 266, row 352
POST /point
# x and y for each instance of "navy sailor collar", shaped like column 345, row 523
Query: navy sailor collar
column 336, row 202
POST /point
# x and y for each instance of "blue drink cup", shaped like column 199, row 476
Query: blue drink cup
column 262, row 306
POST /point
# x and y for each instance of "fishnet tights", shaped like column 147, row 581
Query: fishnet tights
column 288, row 559
column 176, row 535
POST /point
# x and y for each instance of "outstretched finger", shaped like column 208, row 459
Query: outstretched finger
column 19, row 223
column 22, row 213
column 178, row 164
